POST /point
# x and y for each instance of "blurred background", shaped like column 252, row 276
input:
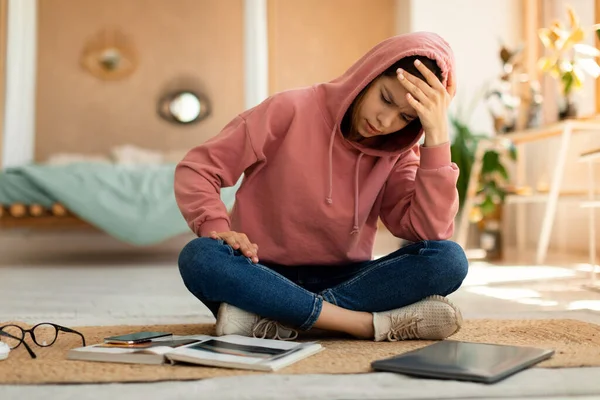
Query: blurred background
column 100, row 99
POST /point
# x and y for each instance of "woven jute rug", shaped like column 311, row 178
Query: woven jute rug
column 576, row 343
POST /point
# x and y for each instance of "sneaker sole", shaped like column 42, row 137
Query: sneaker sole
column 459, row 317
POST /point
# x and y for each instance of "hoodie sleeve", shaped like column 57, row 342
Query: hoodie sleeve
column 420, row 200
column 217, row 163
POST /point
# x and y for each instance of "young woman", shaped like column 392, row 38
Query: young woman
column 321, row 165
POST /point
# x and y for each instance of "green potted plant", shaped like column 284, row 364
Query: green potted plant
column 493, row 181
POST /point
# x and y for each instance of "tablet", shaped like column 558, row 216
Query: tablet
column 477, row 362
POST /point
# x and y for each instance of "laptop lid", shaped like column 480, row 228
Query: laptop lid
column 478, row 362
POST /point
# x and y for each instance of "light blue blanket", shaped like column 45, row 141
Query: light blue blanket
column 134, row 204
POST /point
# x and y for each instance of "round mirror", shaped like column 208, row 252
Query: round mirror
column 184, row 107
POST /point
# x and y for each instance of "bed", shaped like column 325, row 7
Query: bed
column 134, row 203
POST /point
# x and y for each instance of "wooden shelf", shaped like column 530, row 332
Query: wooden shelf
column 590, row 204
column 576, row 196
column 548, row 131
column 591, row 155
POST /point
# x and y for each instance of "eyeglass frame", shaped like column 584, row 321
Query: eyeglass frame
column 30, row 331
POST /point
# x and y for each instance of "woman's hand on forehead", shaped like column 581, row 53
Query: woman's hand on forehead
column 431, row 100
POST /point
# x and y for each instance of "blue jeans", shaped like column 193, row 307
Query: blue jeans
column 216, row 273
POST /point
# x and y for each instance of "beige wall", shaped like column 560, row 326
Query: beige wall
column 200, row 41
column 311, row 41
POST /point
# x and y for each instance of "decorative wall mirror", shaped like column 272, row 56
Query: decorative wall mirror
column 109, row 56
column 184, row 107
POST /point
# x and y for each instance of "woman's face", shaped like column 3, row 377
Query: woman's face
column 384, row 108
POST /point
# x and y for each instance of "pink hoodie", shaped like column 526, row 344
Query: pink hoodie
column 309, row 196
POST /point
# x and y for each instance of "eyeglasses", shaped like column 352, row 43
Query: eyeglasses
column 44, row 335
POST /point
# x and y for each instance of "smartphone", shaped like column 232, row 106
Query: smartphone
column 138, row 337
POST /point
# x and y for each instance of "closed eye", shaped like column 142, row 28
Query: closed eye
column 384, row 99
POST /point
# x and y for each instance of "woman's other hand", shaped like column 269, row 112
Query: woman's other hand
column 238, row 241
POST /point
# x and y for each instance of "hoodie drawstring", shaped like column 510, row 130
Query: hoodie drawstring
column 329, row 198
column 356, row 171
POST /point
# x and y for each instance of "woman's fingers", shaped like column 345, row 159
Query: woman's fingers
column 238, row 241
column 250, row 250
column 415, row 86
column 415, row 104
column 231, row 240
column 451, row 85
column 246, row 247
column 254, row 252
column 432, row 80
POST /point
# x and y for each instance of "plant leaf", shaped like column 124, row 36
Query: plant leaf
column 567, row 80
column 487, row 207
column 545, row 64
column 590, row 66
column 573, row 19
column 512, row 152
column 586, row 49
column 491, row 160
column 502, row 171
column 578, row 78
column 546, row 37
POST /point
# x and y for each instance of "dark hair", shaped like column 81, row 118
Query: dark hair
column 408, row 65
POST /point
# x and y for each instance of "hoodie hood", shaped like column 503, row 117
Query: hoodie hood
column 336, row 96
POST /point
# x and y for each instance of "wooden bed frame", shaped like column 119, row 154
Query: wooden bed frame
column 21, row 216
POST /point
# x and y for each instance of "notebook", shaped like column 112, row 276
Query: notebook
column 230, row 351
column 477, row 362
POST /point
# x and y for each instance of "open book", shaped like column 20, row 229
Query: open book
column 230, row 351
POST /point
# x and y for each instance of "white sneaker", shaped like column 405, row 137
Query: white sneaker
column 433, row 318
column 235, row 321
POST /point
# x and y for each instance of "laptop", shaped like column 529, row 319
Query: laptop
column 476, row 362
